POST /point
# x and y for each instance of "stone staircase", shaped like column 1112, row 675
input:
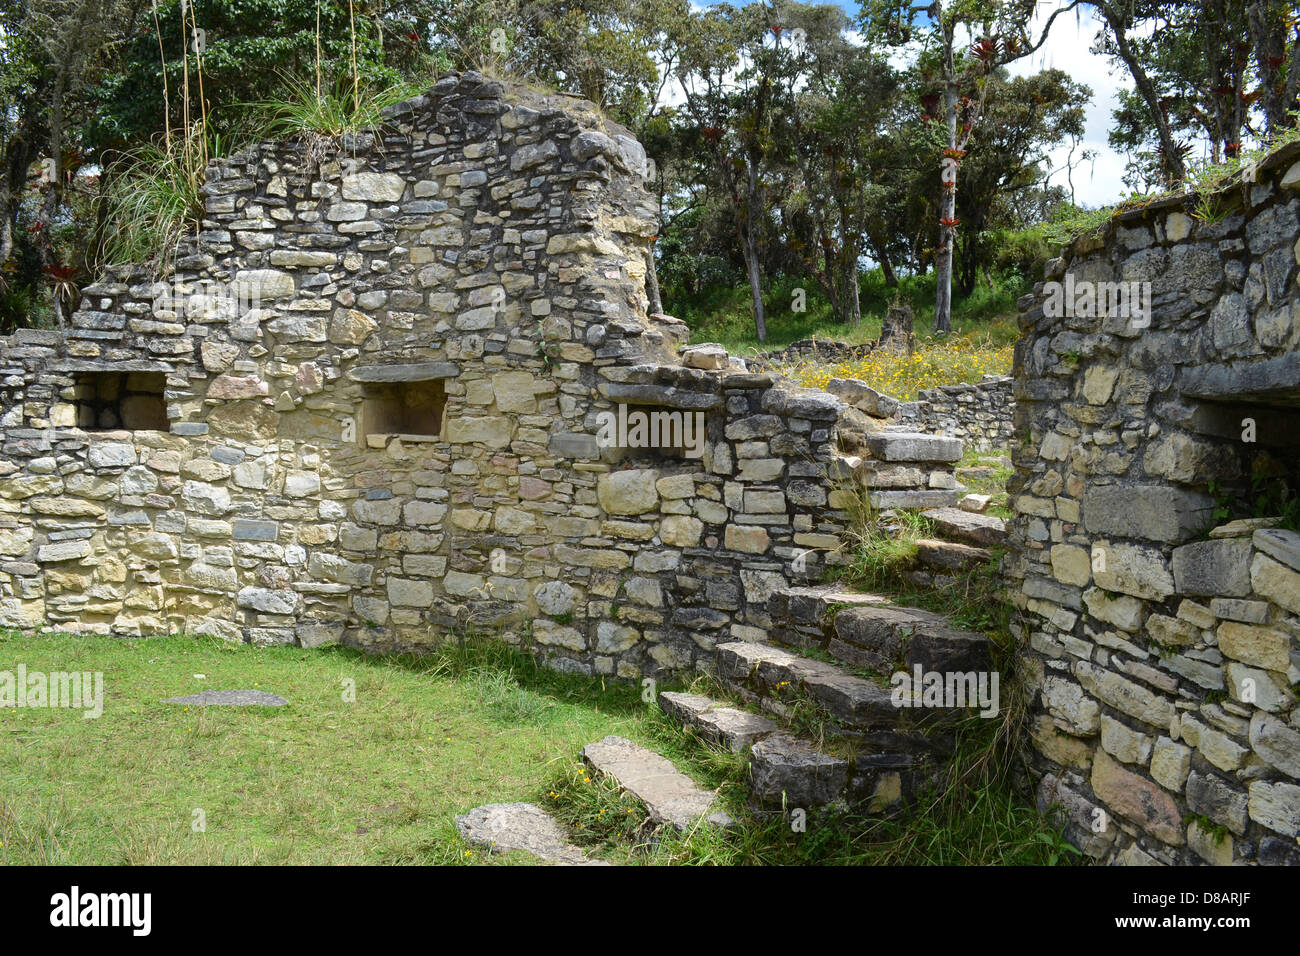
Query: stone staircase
column 823, row 725
column 815, row 707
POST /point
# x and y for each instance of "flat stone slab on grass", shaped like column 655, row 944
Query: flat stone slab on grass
column 229, row 698
column 731, row 727
column 669, row 795
column 503, row 827
column 975, row 528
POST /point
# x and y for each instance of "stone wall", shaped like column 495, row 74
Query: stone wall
column 819, row 351
column 477, row 264
column 982, row 415
column 1160, row 625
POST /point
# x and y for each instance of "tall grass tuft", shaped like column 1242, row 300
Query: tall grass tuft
column 155, row 195
column 320, row 113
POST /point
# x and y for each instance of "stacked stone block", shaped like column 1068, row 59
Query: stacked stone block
column 487, row 247
column 1162, row 641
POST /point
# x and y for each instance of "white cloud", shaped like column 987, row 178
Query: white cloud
column 1068, row 48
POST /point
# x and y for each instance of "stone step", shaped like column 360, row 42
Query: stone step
column 775, row 679
column 787, row 772
column 867, row 631
column 890, row 445
column 915, row 499
column 950, row 555
column 967, row 526
column 669, row 795
column 810, row 605
column 502, row 827
column 888, row 638
column 729, row 727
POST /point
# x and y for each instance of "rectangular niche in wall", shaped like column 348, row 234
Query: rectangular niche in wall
column 120, row 400
column 410, row 409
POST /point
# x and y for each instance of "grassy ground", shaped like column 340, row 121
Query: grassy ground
column 948, row 360
column 319, row 781
column 379, row 780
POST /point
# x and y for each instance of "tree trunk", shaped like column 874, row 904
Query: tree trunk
column 19, row 155
column 947, row 201
column 1174, row 169
column 1269, row 49
column 886, row 267
column 755, row 288
column 855, row 295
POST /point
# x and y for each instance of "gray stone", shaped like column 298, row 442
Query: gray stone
column 738, row 730
column 416, row 372
column 1280, row 544
column 1150, row 512
column 913, row 446
column 984, row 530
column 229, row 698
column 503, row 827
column 1213, row 568
column 787, row 773
column 670, row 796
column 268, row 600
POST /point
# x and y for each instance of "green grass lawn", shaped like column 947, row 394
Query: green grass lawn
column 318, row 781
column 381, row 779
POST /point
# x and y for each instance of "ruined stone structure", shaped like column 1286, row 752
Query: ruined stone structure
column 982, row 415
column 1161, row 637
column 366, row 407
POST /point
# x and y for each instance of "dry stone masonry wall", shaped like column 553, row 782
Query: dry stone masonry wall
column 366, row 406
column 1159, row 610
column 982, row 415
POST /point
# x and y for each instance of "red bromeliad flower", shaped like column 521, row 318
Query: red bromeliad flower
column 950, row 223
column 985, row 50
column 954, row 153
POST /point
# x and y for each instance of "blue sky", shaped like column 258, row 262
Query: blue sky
column 1100, row 181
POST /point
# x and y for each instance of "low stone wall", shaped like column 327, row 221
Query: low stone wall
column 821, row 351
column 1161, row 639
column 981, row 415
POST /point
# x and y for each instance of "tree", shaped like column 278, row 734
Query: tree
column 1026, row 116
column 728, row 75
column 51, row 55
column 998, row 33
column 835, row 122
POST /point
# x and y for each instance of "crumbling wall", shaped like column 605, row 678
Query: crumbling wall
column 1160, row 635
column 482, row 253
column 982, row 414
